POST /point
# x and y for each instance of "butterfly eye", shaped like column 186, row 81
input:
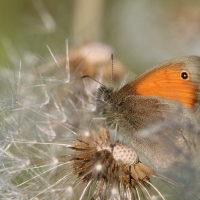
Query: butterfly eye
column 121, row 103
column 184, row 75
column 107, row 97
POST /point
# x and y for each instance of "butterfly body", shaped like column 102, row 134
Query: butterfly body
column 169, row 90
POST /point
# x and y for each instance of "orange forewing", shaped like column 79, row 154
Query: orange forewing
column 166, row 82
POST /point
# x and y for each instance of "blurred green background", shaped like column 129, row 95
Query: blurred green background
column 142, row 32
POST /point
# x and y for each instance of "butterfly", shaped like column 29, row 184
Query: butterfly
column 163, row 98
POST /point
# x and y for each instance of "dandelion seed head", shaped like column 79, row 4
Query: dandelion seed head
column 125, row 154
column 100, row 52
column 96, row 160
column 96, row 57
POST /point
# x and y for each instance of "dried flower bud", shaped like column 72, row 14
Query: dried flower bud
column 97, row 160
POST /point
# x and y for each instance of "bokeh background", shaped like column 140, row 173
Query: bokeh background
column 142, row 32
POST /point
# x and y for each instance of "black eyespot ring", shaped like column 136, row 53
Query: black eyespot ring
column 184, row 75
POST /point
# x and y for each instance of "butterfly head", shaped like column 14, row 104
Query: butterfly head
column 104, row 95
column 107, row 105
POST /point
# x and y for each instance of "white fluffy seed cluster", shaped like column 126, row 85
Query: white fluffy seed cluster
column 125, row 154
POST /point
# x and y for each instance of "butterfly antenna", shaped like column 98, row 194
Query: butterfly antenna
column 112, row 68
column 87, row 76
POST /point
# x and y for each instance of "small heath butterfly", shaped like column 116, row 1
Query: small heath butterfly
column 164, row 98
